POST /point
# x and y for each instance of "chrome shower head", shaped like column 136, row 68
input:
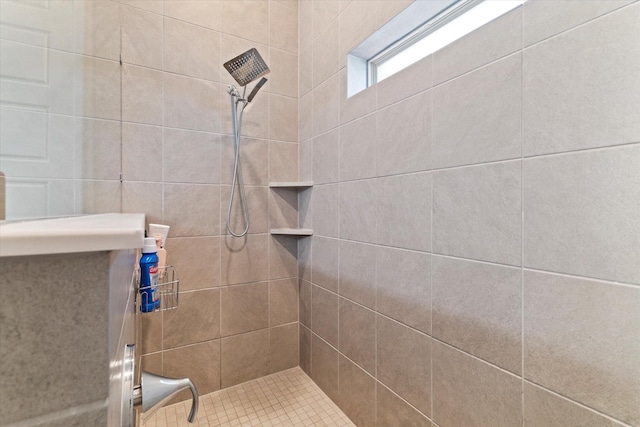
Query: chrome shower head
column 247, row 67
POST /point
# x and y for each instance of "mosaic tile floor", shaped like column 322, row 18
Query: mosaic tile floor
column 288, row 398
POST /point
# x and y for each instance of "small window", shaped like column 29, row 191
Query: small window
column 392, row 48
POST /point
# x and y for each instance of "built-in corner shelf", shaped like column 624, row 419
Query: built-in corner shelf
column 291, row 184
column 292, row 231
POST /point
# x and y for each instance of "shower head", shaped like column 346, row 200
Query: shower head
column 247, row 67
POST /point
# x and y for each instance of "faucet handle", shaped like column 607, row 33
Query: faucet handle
column 157, row 390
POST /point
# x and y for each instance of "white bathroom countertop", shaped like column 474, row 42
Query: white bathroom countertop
column 87, row 233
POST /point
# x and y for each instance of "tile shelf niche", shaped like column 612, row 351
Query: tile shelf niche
column 296, row 185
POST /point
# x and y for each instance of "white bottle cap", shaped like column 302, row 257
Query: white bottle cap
column 149, row 246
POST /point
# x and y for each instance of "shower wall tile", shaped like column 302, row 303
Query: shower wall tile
column 197, row 319
column 403, row 211
column 244, row 308
column 97, row 88
column 283, row 78
column 385, row 9
column 197, row 260
column 477, row 117
column 565, row 104
column 358, row 210
column 283, row 27
column 403, row 286
column 98, row 149
column 488, row 43
column 477, row 212
column 460, row 391
column 141, row 142
column 283, row 303
column 203, row 13
column 191, row 157
column 283, row 348
column 141, row 95
column 404, row 136
column 326, row 155
column 150, row 5
column 477, row 307
column 404, row 362
column 98, row 196
column 305, row 117
column 258, row 203
column 324, row 315
column 200, row 362
column 255, row 160
column 358, row 273
column 357, row 393
column 283, row 260
column 245, row 260
column 97, row 29
column 580, row 213
column 325, row 54
column 358, row 105
column 391, row 410
column 324, row 13
column 191, row 50
column 304, row 302
column 283, row 118
column 305, row 207
column 324, row 367
column 192, row 209
column 414, row 79
column 326, row 209
column 305, row 349
column 305, row 72
column 544, row 19
column 356, row 22
column 151, row 339
column 305, row 161
column 255, row 12
column 244, row 357
column 326, row 105
column 358, row 334
column 326, row 258
column 191, row 103
column 283, row 161
column 545, row 409
column 358, row 149
column 283, row 207
column 305, row 24
column 304, row 259
column 143, row 197
column 142, row 34
column 581, row 341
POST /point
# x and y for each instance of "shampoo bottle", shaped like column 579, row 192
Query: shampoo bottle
column 149, row 276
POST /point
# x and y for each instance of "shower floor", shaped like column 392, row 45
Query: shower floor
column 287, row 398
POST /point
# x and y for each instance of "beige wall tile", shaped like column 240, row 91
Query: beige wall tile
column 98, row 149
column 358, row 210
column 304, row 302
column 257, row 202
column 477, row 212
column 324, row 367
column 326, row 258
column 197, row 319
column 325, row 54
column 97, row 88
column 150, row 5
column 204, row 13
column 305, row 24
column 581, row 341
column 404, row 362
column 191, row 50
column 192, row 157
column 98, row 197
column 477, row 117
column 197, row 261
column 404, row 136
column 283, row 347
column 326, row 157
column 414, row 79
column 283, row 78
column 283, row 27
column 305, row 72
column 244, row 357
column 244, row 308
column 460, row 397
column 192, row 210
column 358, row 273
column 283, row 303
column 326, row 105
column 254, row 11
column 326, row 210
column 580, row 212
column 143, row 197
column 191, row 103
column 357, row 393
column 492, row 41
column 245, row 260
column 358, row 149
column 305, row 117
column 357, row 334
column 200, row 362
column 545, row 409
column 283, row 161
column 141, row 37
column 357, row 22
column 141, row 142
column 283, row 252
column 393, row 411
column 152, row 363
column 305, row 349
column 254, row 159
column 586, row 99
column 477, row 307
column 324, row 13
column 324, row 315
column 403, row 286
column 97, row 26
column 151, row 335
column 304, row 259
column 141, row 95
